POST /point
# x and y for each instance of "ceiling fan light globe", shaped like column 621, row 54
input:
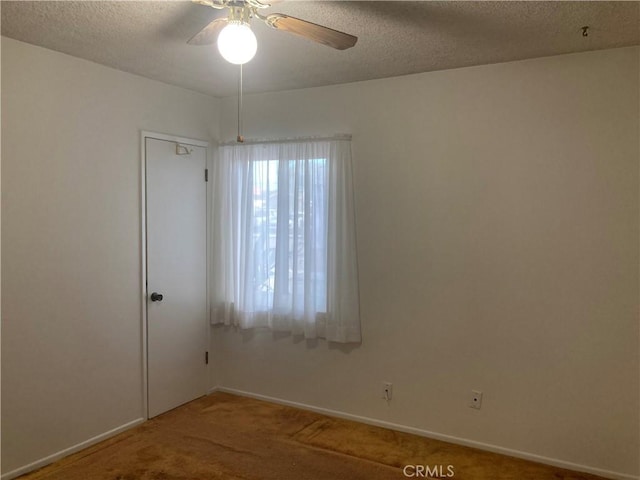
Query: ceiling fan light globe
column 237, row 43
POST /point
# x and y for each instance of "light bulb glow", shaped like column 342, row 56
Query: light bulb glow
column 237, row 43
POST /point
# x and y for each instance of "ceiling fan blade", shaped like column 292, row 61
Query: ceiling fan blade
column 317, row 33
column 208, row 34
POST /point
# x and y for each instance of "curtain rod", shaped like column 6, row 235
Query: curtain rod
column 342, row 136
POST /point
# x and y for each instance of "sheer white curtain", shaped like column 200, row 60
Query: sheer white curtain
column 284, row 246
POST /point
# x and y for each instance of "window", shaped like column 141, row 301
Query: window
column 290, row 227
column 284, row 239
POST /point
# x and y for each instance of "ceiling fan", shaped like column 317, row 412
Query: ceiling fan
column 238, row 44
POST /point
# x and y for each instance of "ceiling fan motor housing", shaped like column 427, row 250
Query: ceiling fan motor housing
column 239, row 14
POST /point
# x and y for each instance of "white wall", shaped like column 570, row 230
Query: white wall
column 497, row 221
column 498, row 234
column 71, row 332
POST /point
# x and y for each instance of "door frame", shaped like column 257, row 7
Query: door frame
column 144, row 134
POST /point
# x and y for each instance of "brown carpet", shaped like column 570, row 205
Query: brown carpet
column 224, row 436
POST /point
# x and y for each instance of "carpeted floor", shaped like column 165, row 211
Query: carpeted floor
column 224, row 436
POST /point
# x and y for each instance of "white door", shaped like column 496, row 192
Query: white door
column 176, row 273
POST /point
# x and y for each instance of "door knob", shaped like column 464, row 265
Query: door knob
column 156, row 297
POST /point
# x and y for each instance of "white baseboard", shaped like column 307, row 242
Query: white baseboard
column 68, row 451
column 436, row 436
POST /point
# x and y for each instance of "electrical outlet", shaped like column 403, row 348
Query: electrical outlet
column 476, row 399
column 387, row 390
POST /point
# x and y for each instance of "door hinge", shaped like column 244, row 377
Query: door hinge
column 206, row 174
column 206, row 358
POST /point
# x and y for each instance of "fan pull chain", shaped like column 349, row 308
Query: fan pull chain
column 240, row 138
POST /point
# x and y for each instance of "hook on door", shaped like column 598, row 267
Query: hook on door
column 183, row 149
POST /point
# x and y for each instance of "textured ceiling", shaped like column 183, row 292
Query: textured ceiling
column 395, row 38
